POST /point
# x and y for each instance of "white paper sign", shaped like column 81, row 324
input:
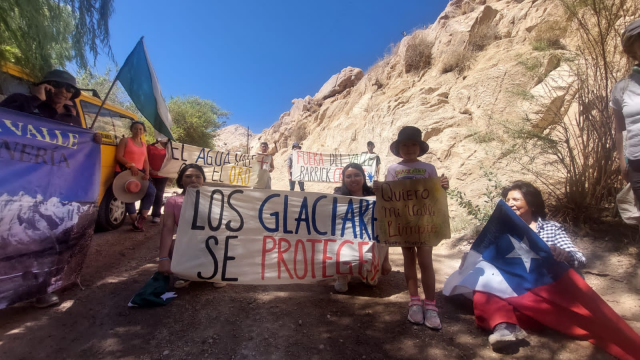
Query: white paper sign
column 320, row 167
column 252, row 236
column 220, row 167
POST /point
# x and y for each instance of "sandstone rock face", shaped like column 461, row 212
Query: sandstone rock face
column 459, row 111
column 233, row 138
column 345, row 79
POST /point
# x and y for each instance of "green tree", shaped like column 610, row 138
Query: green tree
column 39, row 35
column 195, row 120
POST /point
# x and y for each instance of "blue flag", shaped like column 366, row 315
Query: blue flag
column 139, row 81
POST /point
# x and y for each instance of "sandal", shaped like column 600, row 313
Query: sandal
column 181, row 283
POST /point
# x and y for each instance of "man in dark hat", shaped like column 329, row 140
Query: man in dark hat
column 292, row 184
column 48, row 98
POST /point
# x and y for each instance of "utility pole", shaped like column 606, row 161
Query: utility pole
column 248, row 132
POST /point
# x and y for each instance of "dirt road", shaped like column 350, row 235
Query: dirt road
column 279, row 322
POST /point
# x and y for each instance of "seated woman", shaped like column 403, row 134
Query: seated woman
column 191, row 175
column 503, row 319
column 354, row 184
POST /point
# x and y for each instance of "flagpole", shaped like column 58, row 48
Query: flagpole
column 104, row 101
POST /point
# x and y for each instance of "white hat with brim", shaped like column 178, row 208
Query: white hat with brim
column 123, row 183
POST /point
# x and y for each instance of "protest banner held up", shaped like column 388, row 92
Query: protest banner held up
column 220, row 167
column 49, row 185
column 327, row 167
column 253, row 236
column 412, row 213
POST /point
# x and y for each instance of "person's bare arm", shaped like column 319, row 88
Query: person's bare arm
column 145, row 176
column 620, row 127
column 166, row 240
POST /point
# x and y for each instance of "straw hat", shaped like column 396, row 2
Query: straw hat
column 129, row 188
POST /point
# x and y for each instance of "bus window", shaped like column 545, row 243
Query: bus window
column 112, row 125
column 10, row 84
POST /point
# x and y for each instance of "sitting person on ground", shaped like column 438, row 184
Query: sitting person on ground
column 292, row 184
column 500, row 317
column 354, row 184
column 156, row 154
column 131, row 154
column 191, row 175
column 50, row 98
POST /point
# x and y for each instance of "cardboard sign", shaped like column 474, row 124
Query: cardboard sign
column 220, row 167
column 318, row 167
column 254, row 236
column 412, row 213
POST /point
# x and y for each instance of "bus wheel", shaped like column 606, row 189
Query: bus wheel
column 112, row 213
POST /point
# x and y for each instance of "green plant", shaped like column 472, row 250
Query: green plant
column 522, row 93
column 480, row 213
column 39, row 35
column 195, row 120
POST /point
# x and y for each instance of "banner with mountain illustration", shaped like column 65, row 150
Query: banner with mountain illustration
column 311, row 166
column 49, row 185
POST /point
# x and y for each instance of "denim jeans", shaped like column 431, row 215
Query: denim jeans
column 634, row 177
column 159, row 184
column 145, row 203
column 292, row 184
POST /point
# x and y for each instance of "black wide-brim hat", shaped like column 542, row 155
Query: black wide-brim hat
column 409, row 133
column 62, row 76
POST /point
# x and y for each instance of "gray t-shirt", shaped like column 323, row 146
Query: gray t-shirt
column 626, row 98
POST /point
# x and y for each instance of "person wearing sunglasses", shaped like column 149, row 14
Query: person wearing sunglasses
column 48, row 98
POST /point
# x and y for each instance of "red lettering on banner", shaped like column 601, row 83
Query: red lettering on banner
column 326, row 257
column 362, row 262
column 281, row 256
column 337, row 172
column 295, row 259
column 348, row 263
column 313, row 242
column 265, row 251
column 310, row 159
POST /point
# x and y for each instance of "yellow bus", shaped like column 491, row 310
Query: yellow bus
column 113, row 123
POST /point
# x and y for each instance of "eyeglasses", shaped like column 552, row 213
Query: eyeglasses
column 59, row 85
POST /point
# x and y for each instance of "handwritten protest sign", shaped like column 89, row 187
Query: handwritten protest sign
column 319, row 167
column 254, row 236
column 412, row 213
column 220, row 167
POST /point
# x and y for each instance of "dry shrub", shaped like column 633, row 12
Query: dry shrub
column 456, row 60
column 299, row 133
column 483, row 36
column 418, row 53
column 548, row 35
column 574, row 158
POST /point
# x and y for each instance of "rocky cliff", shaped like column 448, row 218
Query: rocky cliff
column 481, row 64
column 233, row 138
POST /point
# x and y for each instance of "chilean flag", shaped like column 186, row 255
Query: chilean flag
column 509, row 265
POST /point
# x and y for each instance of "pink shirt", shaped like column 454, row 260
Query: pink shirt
column 175, row 203
column 414, row 170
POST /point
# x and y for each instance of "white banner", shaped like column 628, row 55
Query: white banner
column 319, row 167
column 221, row 167
column 253, row 236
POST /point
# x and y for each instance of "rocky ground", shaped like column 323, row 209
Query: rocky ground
column 287, row 321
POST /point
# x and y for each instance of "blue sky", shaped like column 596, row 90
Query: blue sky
column 253, row 57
